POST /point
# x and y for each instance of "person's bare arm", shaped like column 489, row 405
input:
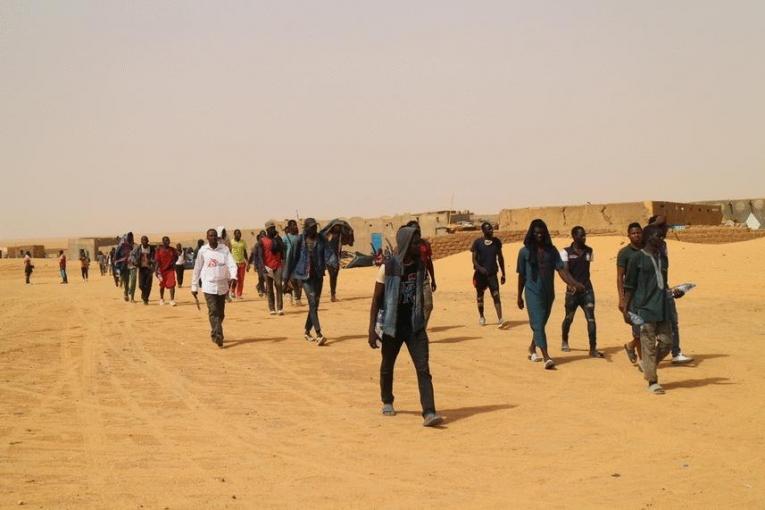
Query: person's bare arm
column 377, row 302
column 627, row 302
column 521, row 285
column 620, row 287
column 570, row 281
column 432, row 273
column 501, row 260
column 476, row 265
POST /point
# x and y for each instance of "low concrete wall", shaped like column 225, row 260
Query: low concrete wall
column 738, row 211
column 15, row 252
column 613, row 217
column 678, row 213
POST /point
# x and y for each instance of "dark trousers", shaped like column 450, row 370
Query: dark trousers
column 84, row 271
column 179, row 275
column 585, row 300
column 417, row 344
column 145, row 275
column 333, row 273
column 28, row 274
column 672, row 309
column 312, row 288
column 216, row 310
column 261, row 285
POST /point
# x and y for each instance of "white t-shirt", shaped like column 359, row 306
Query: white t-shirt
column 588, row 256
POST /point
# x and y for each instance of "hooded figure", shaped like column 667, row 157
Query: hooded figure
column 394, row 269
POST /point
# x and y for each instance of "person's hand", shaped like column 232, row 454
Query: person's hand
column 579, row 287
column 677, row 293
column 232, row 283
column 621, row 306
column 248, row 268
column 373, row 338
column 433, row 286
column 627, row 318
column 194, row 293
column 520, row 303
column 482, row 270
column 502, row 280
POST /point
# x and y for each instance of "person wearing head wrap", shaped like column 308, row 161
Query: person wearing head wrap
column 538, row 261
column 398, row 305
column 312, row 257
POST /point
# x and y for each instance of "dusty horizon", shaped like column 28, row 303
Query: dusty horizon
column 115, row 116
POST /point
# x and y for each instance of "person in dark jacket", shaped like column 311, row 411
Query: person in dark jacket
column 313, row 255
column 398, row 305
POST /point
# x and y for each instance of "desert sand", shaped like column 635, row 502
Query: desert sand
column 105, row 404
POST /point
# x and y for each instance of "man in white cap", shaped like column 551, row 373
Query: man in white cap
column 216, row 269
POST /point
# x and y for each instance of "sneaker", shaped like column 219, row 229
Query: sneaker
column 321, row 339
column 388, row 410
column 308, row 337
column 161, row 302
column 500, row 323
column 172, row 303
column 564, row 347
column 482, row 321
column 432, row 419
column 549, row 364
column 280, row 312
column 272, row 312
column 681, row 358
column 594, row 353
column 656, row 389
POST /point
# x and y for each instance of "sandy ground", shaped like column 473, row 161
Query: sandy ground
column 105, row 404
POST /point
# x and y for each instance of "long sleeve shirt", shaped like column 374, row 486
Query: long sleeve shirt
column 215, row 267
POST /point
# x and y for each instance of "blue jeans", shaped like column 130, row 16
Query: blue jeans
column 312, row 288
column 63, row 275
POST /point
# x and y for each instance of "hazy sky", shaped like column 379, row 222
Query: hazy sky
column 152, row 116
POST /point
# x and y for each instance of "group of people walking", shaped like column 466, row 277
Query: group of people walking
column 296, row 262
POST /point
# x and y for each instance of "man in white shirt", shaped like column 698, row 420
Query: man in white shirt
column 216, row 269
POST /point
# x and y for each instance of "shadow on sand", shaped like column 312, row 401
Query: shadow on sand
column 697, row 383
column 460, row 413
column 608, row 352
column 228, row 344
